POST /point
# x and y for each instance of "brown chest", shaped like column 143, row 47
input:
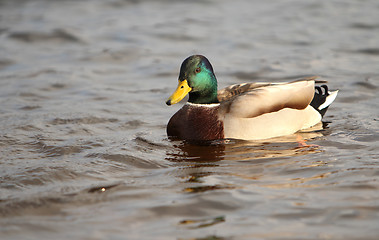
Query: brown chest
column 196, row 122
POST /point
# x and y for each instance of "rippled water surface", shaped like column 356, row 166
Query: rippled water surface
column 83, row 147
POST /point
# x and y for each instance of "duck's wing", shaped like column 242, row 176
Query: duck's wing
column 259, row 99
column 238, row 89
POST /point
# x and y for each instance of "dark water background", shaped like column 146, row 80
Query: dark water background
column 83, row 148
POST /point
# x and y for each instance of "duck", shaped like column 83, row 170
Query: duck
column 246, row 111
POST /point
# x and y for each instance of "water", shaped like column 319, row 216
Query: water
column 84, row 153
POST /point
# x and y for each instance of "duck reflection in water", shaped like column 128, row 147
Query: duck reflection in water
column 198, row 161
column 199, row 151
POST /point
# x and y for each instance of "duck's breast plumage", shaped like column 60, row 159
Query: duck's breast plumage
column 196, row 122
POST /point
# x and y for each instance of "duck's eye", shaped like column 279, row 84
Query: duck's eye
column 197, row 70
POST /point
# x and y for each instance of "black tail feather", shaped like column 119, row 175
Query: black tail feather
column 321, row 93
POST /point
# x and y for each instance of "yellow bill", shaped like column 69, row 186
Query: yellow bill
column 181, row 91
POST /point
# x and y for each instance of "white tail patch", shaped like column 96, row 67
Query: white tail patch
column 329, row 99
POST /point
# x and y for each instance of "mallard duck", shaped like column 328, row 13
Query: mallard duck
column 249, row 111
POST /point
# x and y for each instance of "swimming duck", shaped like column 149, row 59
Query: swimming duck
column 249, row 111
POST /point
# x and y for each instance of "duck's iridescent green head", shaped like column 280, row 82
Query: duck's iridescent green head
column 196, row 78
